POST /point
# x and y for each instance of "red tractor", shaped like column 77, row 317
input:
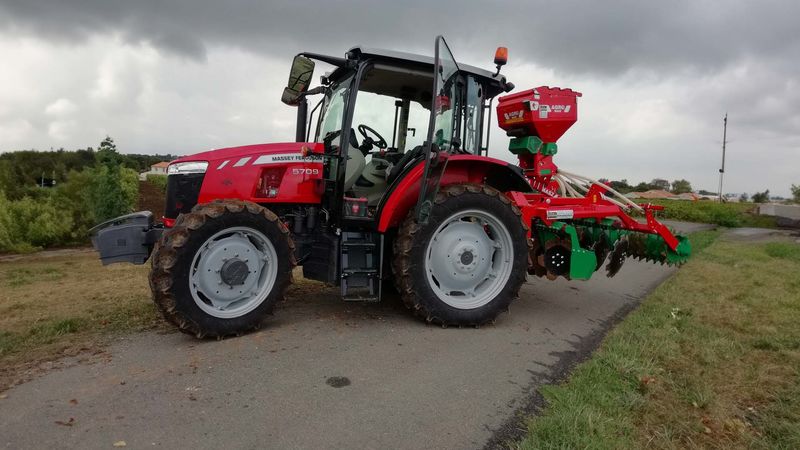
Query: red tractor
column 456, row 231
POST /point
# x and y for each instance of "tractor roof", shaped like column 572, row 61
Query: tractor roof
column 419, row 59
column 493, row 85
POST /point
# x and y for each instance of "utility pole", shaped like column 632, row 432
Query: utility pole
column 724, row 141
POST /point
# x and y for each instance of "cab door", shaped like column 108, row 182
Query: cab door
column 443, row 127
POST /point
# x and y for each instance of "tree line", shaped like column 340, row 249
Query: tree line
column 24, row 170
column 676, row 187
column 683, row 186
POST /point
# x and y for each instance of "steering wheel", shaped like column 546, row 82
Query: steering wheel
column 380, row 143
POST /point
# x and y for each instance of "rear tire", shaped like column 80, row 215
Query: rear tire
column 222, row 268
column 466, row 265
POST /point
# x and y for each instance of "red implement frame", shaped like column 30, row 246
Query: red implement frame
column 547, row 113
column 593, row 206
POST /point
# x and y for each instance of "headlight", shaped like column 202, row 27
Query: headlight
column 187, row 167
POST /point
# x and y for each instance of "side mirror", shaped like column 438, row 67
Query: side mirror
column 299, row 80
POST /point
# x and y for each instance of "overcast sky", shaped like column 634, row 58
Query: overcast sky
column 182, row 76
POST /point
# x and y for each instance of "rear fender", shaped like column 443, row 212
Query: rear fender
column 499, row 174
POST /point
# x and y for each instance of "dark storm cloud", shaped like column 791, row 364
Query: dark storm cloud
column 606, row 38
column 653, row 40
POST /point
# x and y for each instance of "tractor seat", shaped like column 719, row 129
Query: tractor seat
column 355, row 166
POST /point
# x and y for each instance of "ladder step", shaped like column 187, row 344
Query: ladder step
column 346, row 244
column 348, row 272
column 359, row 298
column 360, row 254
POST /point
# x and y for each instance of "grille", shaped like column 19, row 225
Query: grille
column 182, row 193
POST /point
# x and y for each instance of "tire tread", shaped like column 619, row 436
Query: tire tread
column 166, row 257
column 407, row 239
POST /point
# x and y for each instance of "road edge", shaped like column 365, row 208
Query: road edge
column 514, row 428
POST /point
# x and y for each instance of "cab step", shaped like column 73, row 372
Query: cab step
column 361, row 258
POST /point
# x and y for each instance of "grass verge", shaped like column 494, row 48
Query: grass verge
column 64, row 305
column 711, row 359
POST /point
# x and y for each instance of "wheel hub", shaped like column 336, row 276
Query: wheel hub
column 556, row 260
column 467, row 257
column 234, row 272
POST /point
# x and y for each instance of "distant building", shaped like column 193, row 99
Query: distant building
column 712, row 197
column 733, row 198
column 159, row 168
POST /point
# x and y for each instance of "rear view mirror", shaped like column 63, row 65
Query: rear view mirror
column 299, row 80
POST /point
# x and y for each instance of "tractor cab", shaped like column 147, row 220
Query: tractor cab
column 381, row 113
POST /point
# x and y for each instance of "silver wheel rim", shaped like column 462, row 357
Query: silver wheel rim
column 469, row 259
column 233, row 272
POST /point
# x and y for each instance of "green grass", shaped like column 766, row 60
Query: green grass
column 61, row 305
column 23, row 276
column 711, row 359
column 702, row 239
column 783, row 250
column 741, row 214
column 40, row 334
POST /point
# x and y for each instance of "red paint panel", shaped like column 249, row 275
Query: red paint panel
column 460, row 169
column 239, row 173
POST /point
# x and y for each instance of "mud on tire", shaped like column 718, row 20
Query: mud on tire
column 174, row 256
column 414, row 245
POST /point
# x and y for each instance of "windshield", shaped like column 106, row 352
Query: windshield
column 446, row 102
column 473, row 112
column 333, row 109
column 444, row 121
column 379, row 112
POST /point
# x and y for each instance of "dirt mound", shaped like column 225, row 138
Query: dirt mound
column 151, row 198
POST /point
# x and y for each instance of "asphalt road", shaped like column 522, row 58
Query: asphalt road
column 327, row 374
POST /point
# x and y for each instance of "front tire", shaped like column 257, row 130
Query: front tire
column 222, row 268
column 466, row 265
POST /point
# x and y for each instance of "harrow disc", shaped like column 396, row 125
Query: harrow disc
column 617, row 257
column 653, row 248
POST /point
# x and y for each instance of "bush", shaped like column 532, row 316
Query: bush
column 74, row 198
column 761, row 197
column 28, row 224
column 159, row 181
column 129, row 179
column 40, row 224
column 112, row 192
column 6, row 238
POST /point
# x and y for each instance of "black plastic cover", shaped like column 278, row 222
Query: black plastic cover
column 128, row 238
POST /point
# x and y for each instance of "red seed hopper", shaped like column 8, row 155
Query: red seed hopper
column 544, row 112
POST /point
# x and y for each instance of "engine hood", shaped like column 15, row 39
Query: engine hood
column 231, row 153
